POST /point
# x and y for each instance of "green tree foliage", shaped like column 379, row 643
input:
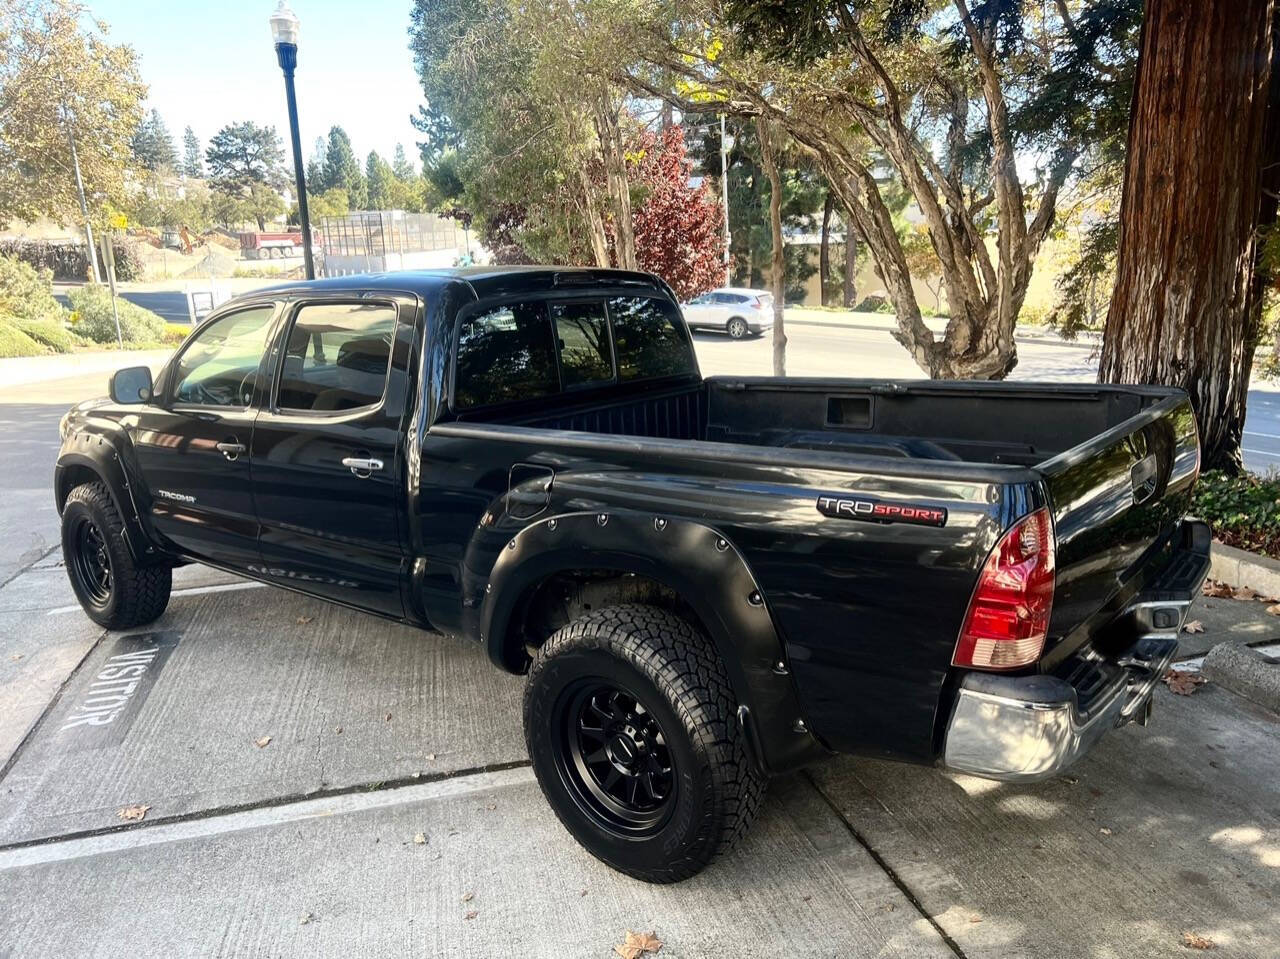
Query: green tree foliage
column 400, row 165
column 246, row 163
column 341, row 169
column 152, row 146
column 332, row 202
column 61, row 78
column 379, row 181
column 192, row 156
column 245, row 153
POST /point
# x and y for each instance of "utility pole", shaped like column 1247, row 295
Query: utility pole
column 84, row 205
column 724, row 199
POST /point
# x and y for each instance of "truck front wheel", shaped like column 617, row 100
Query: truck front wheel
column 630, row 723
column 113, row 590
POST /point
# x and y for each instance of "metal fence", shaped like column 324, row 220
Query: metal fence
column 379, row 233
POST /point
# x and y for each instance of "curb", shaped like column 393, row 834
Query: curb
column 1239, row 568
column 1246, row 672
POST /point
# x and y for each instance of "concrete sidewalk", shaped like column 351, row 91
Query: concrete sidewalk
column 305, row 846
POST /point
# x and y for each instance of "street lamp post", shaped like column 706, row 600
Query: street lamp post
column 284, row 31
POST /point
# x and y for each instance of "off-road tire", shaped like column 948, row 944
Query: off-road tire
column 676, row 674
column 137, row 594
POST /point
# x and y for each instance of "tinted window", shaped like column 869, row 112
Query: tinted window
column 649, row 338
column 505, row 353
column 337, row 356
column 582, row 334
column 219, row 367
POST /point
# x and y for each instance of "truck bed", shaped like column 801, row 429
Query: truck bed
column 963, row 422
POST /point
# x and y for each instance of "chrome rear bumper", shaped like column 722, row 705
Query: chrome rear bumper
column 1025, row 728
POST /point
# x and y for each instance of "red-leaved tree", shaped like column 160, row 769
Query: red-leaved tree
column 679, row 228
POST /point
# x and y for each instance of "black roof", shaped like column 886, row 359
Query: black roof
column 485, row 281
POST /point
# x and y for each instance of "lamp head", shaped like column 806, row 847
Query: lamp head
column 284, row 25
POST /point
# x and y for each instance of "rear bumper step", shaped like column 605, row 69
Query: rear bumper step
column 1026, row 728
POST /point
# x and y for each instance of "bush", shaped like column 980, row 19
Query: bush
column 27, row 292
column 49, row 333
column 175, row 333
column 871, row 304
column 1244, row 511
column 66, row 259
column 94, row 319
column 13, row 342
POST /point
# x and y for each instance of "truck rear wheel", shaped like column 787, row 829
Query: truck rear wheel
column 113, row 590
column 630, row 723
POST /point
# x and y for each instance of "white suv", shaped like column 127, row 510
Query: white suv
column 735, row 310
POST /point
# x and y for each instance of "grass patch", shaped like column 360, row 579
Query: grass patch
column 1244, row 511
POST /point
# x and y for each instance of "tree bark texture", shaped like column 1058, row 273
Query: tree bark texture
column 824, row 249
column 777, row 266
column 850, row 263
column 1180, row 311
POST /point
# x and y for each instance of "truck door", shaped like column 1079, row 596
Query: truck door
column 328, row 475
column 192, row 443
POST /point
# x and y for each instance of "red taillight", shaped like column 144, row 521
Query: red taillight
column 1008, row 616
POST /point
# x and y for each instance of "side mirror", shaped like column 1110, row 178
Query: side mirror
column 131, row 385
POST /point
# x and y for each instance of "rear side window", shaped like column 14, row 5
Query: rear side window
column 505, row 353
column 648, row 338
column 336, row 357
column 582, row 335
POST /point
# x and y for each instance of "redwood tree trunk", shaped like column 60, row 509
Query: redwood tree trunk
column 1180, row 313
column 850, row 263
column 777, row 266
column 824, row 249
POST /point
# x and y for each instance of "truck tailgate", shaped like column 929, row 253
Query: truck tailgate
column 1117, row 501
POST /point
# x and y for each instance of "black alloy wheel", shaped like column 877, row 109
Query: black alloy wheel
column 91, row 562
column 613, row 757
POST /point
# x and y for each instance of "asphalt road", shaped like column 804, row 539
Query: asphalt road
column 377, row 733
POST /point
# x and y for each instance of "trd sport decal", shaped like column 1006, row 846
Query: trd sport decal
column 857, row 507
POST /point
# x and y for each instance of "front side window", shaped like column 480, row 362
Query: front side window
column 337, row 357
column 505, row 353
column 582, row 335
column 648, row 338
column 219, row 367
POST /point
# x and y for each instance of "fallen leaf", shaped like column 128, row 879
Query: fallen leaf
column 1195, row 941
column 638, row 943
column 1217, row 590
column 1193, row 626
column 306, row 918
column 1182, row 681
column 1105, row 831
column 582, row 893
column 471, row 915
column 338, row 730
column 1244, row 592
column 388, row 717
column 262, row 742
column 1274, row 610
column 420, row 838
column 303, row 620
column 468, row 896
column 133, row 813
column 491, row 806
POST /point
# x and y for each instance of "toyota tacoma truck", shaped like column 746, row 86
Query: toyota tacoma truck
column 706, row 581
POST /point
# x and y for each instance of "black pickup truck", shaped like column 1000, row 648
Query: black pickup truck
column 707, row 581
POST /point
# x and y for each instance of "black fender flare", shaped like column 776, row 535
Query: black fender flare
column 701, row 566
column 97, row 453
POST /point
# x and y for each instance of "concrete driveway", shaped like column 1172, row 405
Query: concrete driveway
column 376, row 735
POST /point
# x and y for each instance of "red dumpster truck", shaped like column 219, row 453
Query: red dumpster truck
column 263, row 246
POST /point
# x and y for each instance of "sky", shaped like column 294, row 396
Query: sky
column 210, row 64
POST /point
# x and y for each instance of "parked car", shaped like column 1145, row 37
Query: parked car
column 732, row 309
column 706, row 581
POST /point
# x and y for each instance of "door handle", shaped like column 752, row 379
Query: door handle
column 361, row 466
column 231, row 449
